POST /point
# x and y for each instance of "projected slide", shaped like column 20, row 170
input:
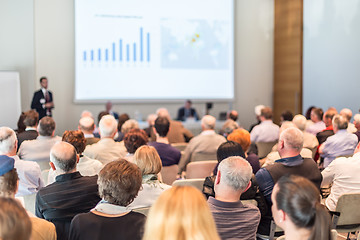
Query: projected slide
column 153, row 49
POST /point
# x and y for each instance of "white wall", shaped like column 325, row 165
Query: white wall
column 53, row 50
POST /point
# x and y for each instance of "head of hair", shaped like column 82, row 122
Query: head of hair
column 119, row 182
column 347, row 113
column 168, row 220
column 75, row 138
column 8, row 183
column 162, row 125
column 299, row 199
column 287, row 115
column 258, row 109
column 87, row 124
column 300, row 122
column 46, row 126
column 242, row 137
column 148, row 160
column 14, row 220
column 31, row 118
column 308, row 112
column 63, row 156
column 163, row 112
column 235, row 172
column 318, row 113
column 267, row 113
column 20, row 124
column 7, row 140
column 107, row 126
column 330, row 113
column 229, row 149
column 122, row 119
column 101, row 114
column 129, row 125
column 86, row 113
column 293, row 138
column 208, row 122
column 134, row 139
column 357, row 118
column 42, row 78
column 229, row 126
column 233, row 115
column 286, row 125
column 340, row 122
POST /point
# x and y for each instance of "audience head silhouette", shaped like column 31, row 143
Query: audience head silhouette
column 208, row 122
column 46, row 126
column 107, row 126
column 63, row 157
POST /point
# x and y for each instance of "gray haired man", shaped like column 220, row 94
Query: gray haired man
column 234, row 220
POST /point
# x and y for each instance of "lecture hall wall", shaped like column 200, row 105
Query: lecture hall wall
column 37, row 39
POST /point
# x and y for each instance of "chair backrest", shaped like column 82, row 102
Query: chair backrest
column 196, row 182
column 200, row 169
column 264, row 148
column 45, row 175
column 180, row 146
column 200, row 156
column 29, row 202
column 169, row 173
column 348, row 207
column 144, row 210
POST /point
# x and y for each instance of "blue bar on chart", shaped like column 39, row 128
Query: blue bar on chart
column 120, row 50
column 148, row 46
column 113, row 52
column 99, row 54
column 106, row 54
column 84, row 55
column 92, row 55
column 134, row 52
column 127, row 52
column 141, row 44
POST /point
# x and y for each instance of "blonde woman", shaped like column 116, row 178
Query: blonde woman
column 149, row 162
column 180, row 213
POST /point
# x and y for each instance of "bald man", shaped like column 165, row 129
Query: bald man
column 69, row 195
column 87, row 126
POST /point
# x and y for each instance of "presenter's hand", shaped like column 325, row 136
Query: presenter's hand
column 49, row 105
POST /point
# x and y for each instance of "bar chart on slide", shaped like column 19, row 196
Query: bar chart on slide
column 121, row 50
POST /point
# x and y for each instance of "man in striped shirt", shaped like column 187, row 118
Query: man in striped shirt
column 233, row 219
column 69, row 195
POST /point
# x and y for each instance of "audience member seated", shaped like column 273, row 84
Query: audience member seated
column 229, row 149
column 357, row 125
column 108, row 108
column 134, row 139
column 347, row 113
column 41, row 229
column 329, row 130
column 274, row 154
column 343, row 176
column 180, row 213
column 38, row 150
column 342, row 143
column 242, row 137
column 29, row 172
column 71, row 194
column 297, row 209
column 100, row 116
column 286, row 116
column 122, row 119
column 257, row 111
column 290, row 144
column 148, row 160
column 151, row 121
column 14, row 222
column 119, row 182
column 207, row 142
column 87, row 126
column 233, row 219
column 266, row 131
column 233, row 115
column 310, row 141
column 168, row 154
column 86, row 166
column 31, row 121
column 20, row 124
column 228, row 127
column 316, row 118
column 187, row 112
column 177, row 133
column 106, row 150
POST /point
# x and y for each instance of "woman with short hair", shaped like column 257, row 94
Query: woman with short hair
column 119, row 182
column 180, row 213
column 149, row 162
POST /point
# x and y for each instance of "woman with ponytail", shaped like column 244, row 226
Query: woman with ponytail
column 297, row 209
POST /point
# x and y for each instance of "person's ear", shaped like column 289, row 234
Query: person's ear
column 77, row 158
column 248, row 186
column 52, row 166
column 218, row 176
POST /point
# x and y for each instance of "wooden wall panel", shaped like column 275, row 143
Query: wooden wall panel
column 288, row 41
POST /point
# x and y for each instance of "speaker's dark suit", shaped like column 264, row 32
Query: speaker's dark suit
column 181, row 114
column 38, row 106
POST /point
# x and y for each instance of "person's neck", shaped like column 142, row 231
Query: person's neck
column 288, row 154
column 162, row 139
column 227, row 195
column 293, row 233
